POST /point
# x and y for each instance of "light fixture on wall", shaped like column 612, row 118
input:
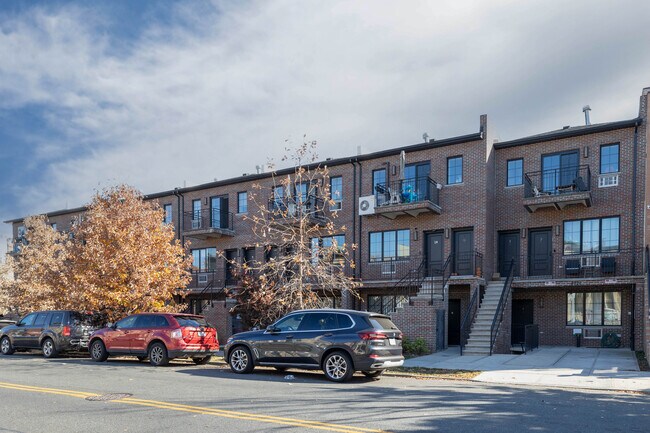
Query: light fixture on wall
column 446, row 233
column 585, row 152
column 557, row 230
column 415, row 234
column 523, row 233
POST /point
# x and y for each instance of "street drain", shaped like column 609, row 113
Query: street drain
column 108, row 397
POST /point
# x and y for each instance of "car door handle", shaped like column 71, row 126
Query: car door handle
column 329, row 334
column 289, row 337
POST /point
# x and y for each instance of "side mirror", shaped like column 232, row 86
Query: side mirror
column 110, row 325
column 19, row 324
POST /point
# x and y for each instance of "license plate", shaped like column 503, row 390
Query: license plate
column 392, row 341
column 201, row 334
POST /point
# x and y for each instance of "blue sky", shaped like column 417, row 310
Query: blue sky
column 163, row 93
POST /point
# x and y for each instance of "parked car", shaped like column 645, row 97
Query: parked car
column 157, row 336
column 53, row 332
column 6, row 322
column 336, row 341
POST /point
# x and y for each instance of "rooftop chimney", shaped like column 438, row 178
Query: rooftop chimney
column 586, row 109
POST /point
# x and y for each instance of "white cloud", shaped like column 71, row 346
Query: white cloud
column 218, row 90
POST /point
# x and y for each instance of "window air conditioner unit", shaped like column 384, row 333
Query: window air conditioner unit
column 196, row 224
column 608, row 180
column 203, row 279
column 367, row 205
column 593, row 333
column 590, row 262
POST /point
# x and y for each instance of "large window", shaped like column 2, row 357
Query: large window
column 390, row 245
column 594, row 309
column 336, row 192
column 242, row 202
column 168, row 213
column 609, row 158
column 385, row 304
column 515, row 172
column 455, row 170
column 205, row 259
column 333, row 246
column 592, row 236
column 379, row 178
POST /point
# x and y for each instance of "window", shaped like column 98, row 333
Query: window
column 454, row 170
column 205, row 259
column 242, row 202
column 594, row 309
column 291, row 323
column 53, row 225
column 126, row 323
column 609, row 158
column 40, row 319
column 559, row 170
column 333, row 246
column 336, row 192
column 385, row 304
column 515, row 172
column 324, row 322
column 196, row 213
column 168, row 214
column 390, row 245
column 21, row 232
column 592, row 236
column 28, row 320
column 57, row 319
column 379, row 178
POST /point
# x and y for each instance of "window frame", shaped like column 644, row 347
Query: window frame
column 239, row 202
column 170, row 214
column 600, row 235
column 618, row 158
column 204, row 252
column 584, row 309
column 338, row 203
column 521, row 181
column 383, row 243
column 462, row 171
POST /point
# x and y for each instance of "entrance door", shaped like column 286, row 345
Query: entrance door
column 231, row 255
column 508, row 250
column 540, row 253
column 219, row 212
column 522, row 315
column 463, row 252
column 453, row 338
column 435, row 254
column 559, row 170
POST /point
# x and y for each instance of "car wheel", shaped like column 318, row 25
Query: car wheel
column 338, row 367
column 202, row 361
column 158, row 355
column 5, row 346
column 240, row 360
column 141, row 358
column 98, row 351
column 373, row 374
column 49, row 349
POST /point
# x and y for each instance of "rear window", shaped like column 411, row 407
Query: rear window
column 81, row 319
column 192, row 321
column 382, row 323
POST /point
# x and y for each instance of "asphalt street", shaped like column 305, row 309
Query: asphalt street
column 38, row 395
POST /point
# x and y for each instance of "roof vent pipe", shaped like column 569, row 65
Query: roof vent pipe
column 586, row 109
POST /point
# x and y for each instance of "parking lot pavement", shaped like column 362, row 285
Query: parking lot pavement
column 51, row 395
column 588, row 368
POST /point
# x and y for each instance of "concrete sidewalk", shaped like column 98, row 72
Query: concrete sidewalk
column 604, row 369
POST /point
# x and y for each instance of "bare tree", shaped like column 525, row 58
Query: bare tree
column 305, row 255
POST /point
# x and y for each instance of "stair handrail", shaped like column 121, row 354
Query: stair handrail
column 409, row 280
column 494, row 329
column 464, row 329
column 446, row 274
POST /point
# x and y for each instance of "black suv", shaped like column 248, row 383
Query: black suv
column 51, row 331
column 336, row 341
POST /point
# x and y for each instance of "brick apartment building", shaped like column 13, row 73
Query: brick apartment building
column 466, row 240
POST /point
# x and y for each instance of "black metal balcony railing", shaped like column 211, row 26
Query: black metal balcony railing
column 557, row 181
column 407, row 191
column 206, row 219
column 457, row 264
column 311, row 207
column 620, row 263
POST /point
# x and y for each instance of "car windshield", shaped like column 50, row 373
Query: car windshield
column 192, row 321
column 379, row 322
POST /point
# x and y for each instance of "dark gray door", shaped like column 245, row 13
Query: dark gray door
column 435, row 254
column 508, row 251
column 454, row 322
column 463, row 252
column 522, row 315
column 540, row 253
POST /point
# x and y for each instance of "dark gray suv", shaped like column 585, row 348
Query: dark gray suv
column 51, row 331
column 339, row 342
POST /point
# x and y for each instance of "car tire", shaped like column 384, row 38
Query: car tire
column 98, row 352
column 202, row 361
column 158, row 355
column 49, row 348
column 240, row 360
column 6, row 348
column 375, row 374
column 337, row 366
column 141, row 358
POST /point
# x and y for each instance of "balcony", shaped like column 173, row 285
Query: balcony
column 457, row 266
column 293, row 209
column 407, row 197
column 557, row 188
column 208, row 223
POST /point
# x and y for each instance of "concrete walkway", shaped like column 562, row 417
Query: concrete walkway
column 604, row 369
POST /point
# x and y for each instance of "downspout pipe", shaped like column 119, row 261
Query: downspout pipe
column 180, row 205
column 354, row 163
column 634, row 219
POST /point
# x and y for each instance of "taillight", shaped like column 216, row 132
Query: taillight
column 371, row 335
column 66, row 331
column 176, row 334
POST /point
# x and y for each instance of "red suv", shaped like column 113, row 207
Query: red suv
column 157, row 336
